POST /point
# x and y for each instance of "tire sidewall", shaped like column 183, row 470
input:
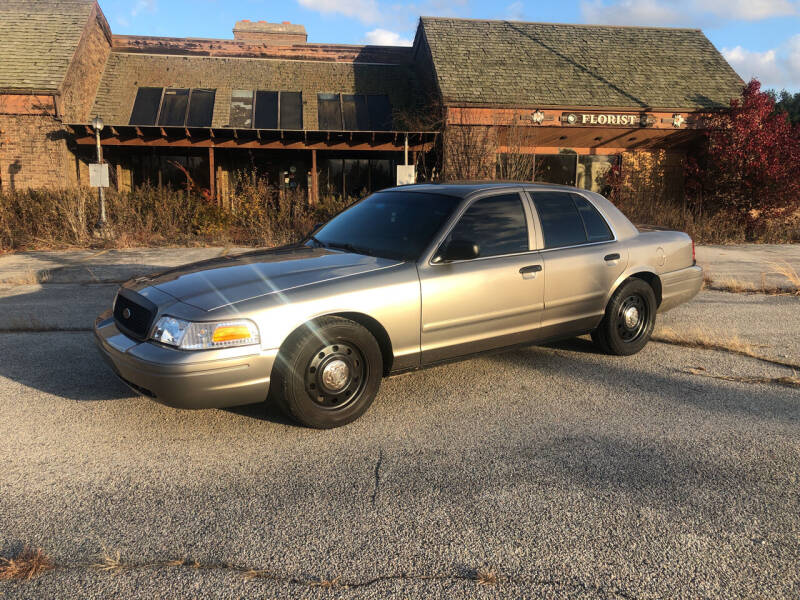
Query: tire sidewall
column 615, row 342
column 296, row 397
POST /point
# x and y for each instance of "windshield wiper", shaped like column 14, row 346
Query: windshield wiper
column 351, row 248
column 317, row 242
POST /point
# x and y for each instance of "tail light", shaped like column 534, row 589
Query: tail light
column 694, row 254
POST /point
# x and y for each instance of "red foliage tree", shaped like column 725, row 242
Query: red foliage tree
column 749, row 162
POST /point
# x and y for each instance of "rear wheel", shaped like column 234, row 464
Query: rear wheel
column 629, row 320
column 328, row 373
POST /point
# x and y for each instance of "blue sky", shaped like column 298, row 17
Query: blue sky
column 760, row 38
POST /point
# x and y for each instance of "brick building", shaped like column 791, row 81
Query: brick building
column 471, row 98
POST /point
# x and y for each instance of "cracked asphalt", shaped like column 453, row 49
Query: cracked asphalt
column 569, row 473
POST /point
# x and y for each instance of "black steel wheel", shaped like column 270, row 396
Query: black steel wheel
column 327, row 373
column 629, row 319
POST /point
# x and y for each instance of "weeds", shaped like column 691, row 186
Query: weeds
column 26, row 565
column 698, row 338
column 110, row 562
column 792, row 380
column 29, row 277
column 737, row 286
column 253, row 214
column 486, row 576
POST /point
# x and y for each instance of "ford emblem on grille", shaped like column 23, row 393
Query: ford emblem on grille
column 126, row 313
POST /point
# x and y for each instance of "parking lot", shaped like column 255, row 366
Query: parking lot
column 570, row 474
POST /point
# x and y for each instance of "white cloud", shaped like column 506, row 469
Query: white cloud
column 365, row 11
column 776, row 68
column 142, row 6
column 384, row 37
column 515, row 11
column 629, row 12
column 683, row 12
column 749, row 10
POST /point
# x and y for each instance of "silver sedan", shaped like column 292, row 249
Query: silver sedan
column 407, row 278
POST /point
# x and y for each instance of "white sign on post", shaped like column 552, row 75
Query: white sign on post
column 98, row 175
column 406, row 174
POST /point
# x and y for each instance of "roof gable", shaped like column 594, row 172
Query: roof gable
column 38, row 39
column 541, row 64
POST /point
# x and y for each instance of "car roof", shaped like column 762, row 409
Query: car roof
column 468, row 188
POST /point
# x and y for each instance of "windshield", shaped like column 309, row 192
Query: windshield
column 397, row 225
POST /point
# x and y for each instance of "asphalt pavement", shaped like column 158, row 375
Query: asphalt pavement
column 569, row 473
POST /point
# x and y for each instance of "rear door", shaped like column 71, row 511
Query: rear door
column 490, row 301
column 582, row 260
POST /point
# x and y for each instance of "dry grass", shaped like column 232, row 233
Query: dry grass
column 255, row 214
column 110, row 561
column 787, row 271
column 26, row 565
column 29, row 277
column 699, row 338
column 327, row 583
column 792, row 380
column 737, row 286
column 486, row 576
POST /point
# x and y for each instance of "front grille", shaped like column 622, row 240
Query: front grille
column 134, row 314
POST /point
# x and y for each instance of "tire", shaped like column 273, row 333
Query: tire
column 618, row 336
column 327, row 373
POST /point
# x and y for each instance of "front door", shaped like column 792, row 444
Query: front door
column 491, row 301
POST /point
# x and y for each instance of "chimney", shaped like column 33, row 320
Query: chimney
column 272, row 34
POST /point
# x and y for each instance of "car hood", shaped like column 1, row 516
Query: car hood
column 223, row 281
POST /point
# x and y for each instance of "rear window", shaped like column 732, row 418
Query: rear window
column 597, row 230
column 561, row 223
column 569, row 220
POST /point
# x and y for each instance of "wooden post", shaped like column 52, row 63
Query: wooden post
column 212, row 175
column 314, row 178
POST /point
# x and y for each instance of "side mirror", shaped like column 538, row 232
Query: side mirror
column 460, row 250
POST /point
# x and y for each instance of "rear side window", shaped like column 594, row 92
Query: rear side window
column 497, row 224
column 597, row 229
column 561, row 223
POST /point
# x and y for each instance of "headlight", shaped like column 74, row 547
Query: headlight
column 202, row 336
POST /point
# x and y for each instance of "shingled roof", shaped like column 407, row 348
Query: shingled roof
column 125, row 73
column 37, row 41
column 540, row 64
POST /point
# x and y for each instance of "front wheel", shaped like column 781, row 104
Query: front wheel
column 328, row 373
column 629, row 320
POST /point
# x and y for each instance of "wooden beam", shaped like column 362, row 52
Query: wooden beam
column 254, row 144
column 212, row 175
column 314, row 178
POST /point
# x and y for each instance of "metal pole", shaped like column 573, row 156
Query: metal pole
column 101, row 221
column 405, row 145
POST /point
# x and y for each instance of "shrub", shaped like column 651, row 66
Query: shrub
column 256, row 214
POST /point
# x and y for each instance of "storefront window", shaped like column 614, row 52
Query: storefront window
column 556, row 168
column 355, row 177
column 593, row 171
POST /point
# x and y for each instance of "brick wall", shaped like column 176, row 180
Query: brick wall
column 85, row 71
column 34, row 153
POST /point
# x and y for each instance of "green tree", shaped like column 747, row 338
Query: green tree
column 789, row 103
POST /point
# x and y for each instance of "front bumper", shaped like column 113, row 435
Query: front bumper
column 680, row 286
column 186, row 379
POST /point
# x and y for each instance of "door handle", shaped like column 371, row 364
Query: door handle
column 530, row 270
column 610, row 257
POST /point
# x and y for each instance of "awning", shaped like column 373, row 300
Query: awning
column 214, row 137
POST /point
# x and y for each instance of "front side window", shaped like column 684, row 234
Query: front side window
column 496, row 224
column 397, row 225
column 173, row 107
column 569, row 220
